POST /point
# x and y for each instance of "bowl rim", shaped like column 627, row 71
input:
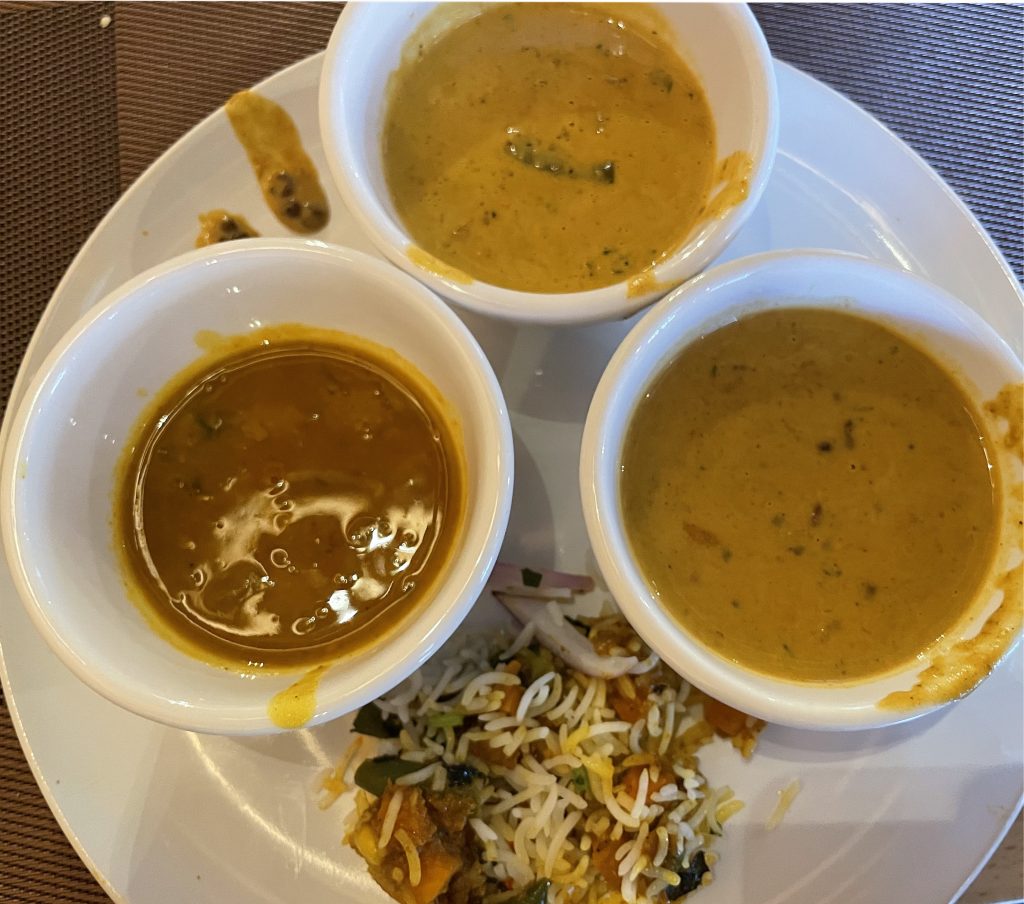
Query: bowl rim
column 789, row 703
column 591, row 306
column 224, row 717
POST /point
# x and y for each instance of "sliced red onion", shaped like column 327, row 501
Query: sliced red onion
column 552, row 630
column 516, row 578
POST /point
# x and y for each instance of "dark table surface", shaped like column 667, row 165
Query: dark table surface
column 85, row 108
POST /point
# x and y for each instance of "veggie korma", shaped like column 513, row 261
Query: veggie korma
column 548, row 147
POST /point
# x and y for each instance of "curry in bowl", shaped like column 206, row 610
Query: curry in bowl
column 810, row 495
column 289, row 499
column 548, row 147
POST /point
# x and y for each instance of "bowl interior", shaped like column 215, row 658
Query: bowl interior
column 721, row 43
column 71, row 429
column 955, row 336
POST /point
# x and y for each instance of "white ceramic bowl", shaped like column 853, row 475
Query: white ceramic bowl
column 952, row 332
column 723, row 45
column 58, row 468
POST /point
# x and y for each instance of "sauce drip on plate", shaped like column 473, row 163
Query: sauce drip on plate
column 287, row 177
column 218, row 225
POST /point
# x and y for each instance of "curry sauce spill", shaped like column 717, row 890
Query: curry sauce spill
column 731, row 185
column 218, row 225
column 547, row 147
column 427, row 261
column 809, row 495
column 955, row 671
column 287, row 177
column 289, row 499
column 296, row 704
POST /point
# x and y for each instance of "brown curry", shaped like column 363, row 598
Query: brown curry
column 809, row 495
column 290, row 502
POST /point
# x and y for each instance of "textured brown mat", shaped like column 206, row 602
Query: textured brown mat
column 947, row 78
column 84, row 109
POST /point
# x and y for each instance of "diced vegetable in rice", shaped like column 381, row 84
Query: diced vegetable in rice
column 567, row 787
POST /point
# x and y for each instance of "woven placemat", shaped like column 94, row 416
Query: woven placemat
column 84, row 109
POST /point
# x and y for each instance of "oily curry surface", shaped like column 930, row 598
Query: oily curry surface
column 289, row 504
column 548, row 147
column 809, row 495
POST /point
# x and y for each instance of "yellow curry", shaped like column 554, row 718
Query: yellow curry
column 809, row 495
column 548, row 147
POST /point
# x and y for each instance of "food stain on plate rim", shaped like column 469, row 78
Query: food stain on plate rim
column 295, row 706
column 956, row 665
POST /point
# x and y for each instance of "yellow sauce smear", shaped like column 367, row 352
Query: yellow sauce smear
column 287, row 177
column 295, row 705
column 954, row 673
column 428, row 262
column 733, row 177
column 645, row 282
column 1009, row 406
column 218, row 225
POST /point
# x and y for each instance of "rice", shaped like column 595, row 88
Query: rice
column 412, row 856
column 563, row 774
column 390, row 818
column 786, row 797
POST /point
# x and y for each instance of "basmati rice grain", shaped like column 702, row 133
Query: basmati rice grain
column 662, row 852
column 412, row 856
column 523, row 639
column 641, row 795
column 390, row 818
column 786, row 797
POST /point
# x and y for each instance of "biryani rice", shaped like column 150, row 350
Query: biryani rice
column 551, row 792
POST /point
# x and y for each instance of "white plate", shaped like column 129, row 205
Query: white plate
column 904, row 814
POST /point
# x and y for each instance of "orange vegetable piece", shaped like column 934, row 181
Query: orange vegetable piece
column 603, row 860
column 631, row 780
column 437, row 866
column 724, row 719
column 629, row 710
column 513, row 693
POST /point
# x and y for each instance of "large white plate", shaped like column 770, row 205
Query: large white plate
column 906, row 814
